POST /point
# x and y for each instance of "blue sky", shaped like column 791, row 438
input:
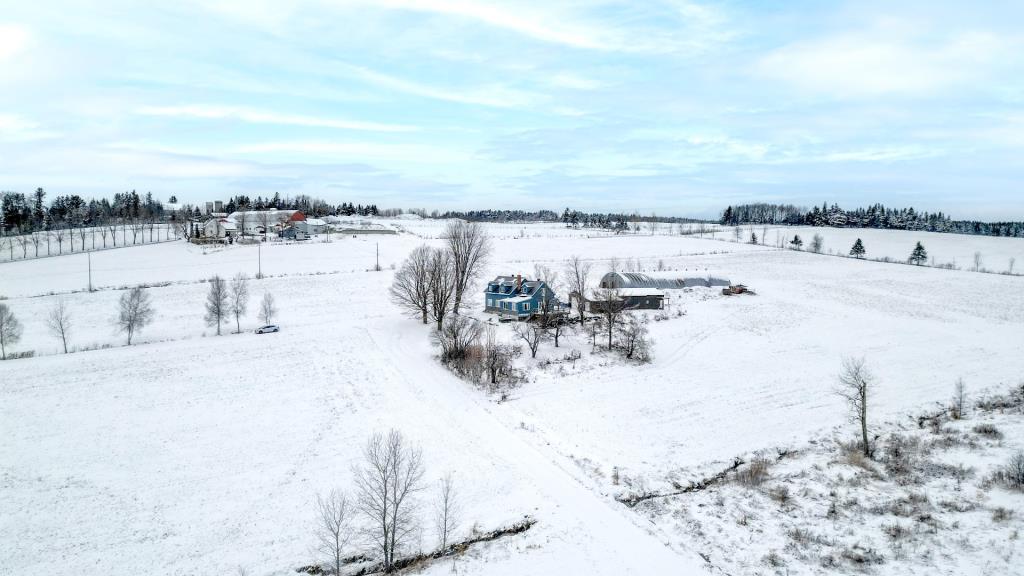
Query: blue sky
column 671, row 107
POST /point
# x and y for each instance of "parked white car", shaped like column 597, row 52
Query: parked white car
column 268, row 328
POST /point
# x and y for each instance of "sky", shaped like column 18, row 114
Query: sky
column 669, row 107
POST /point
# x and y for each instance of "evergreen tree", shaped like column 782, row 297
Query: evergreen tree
column 858, row 249
column 919, row 256
column 797, row 242
column 753, row 238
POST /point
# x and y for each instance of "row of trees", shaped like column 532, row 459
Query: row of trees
column 385, row 509
column 23, row 214
column 135, row 311
column 874, row 216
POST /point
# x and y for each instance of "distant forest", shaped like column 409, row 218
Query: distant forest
column 22, row 214
column 875, row 216
column 569, row 217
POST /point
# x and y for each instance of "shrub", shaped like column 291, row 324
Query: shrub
column 780, row 494
column 1001, row 514
column 755, row 474
column 1012, row 474
column 988, row 431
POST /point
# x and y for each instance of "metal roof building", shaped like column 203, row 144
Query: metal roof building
column 663, row 280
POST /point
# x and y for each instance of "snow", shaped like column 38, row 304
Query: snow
column 192, row 453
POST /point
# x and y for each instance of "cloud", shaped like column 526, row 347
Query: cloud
column 14, row 128
column 13, row 39
column 256, row 116
column 494, row 95
column 885, row 61
column 573, row 81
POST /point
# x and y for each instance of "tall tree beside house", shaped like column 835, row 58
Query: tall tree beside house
column 469, row 248
column 216, row 302
column 919, row 256
column 858, row 249
column 410, row 289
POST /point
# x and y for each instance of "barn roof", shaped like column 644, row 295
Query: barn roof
column 663, row 279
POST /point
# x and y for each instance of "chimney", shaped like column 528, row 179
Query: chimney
column 519, row 281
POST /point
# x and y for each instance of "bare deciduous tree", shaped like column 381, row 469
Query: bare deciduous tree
column 410, row 289
column 216, row 302
column 959, row 399
column 469, row 248
column 447, row 510
column 497, row 356
column 576, row 274
column 856, row 383
column 532, row 333
column 817, row 244
column 59, row 322
column 333, row 527
column 611, row 306
column 239, row 299
column 267, row 308
column 633, row 339
column 456, row 337
column 135, row 312
column 442, row 284
column 10, row 330
column 386, row 485
column 978, row 262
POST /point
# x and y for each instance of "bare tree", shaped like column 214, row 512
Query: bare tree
column 576, row 274
column 447, row 510
column 469, row 248
column 23, row 242
column 978, row 262
column 333, row 527
column 386, row 485
column 611, row 306
column 410, row 289
column 112, row 227
column 959, row 398
column 59, row 322
column 135, row 312
column 239, row 299
column 442, row 284
column 817, row 244
column 613, row 264
column 456, row 337
column 216, row 302
column 263, row 217
column 1012, row 262
column 532, row 333
column 856, row 383
column 183, row 221
column 267, row 308
column 633, row 339
column 36, row 241
column 241, row 220
column 10, row 330
column 497, row 356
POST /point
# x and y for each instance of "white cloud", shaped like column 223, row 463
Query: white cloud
column 14, row 128
column 573, row 81
column 256, row 116
column 886, row 61
column 13, row 39
column 494, row 95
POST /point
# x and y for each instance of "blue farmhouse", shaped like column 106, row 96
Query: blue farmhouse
column 512, row 296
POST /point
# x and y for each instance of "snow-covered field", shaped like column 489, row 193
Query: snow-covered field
column 191, row 453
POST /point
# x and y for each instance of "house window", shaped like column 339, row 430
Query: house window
column 490, row 303
column 526, row 306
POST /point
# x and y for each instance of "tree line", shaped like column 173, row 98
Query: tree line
column 874, row 216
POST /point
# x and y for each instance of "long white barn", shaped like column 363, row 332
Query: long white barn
column 663, row 280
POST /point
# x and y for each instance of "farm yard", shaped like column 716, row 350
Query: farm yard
column 203, row 454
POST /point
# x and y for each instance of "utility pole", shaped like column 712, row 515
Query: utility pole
column 377, row 267
column 89, row 256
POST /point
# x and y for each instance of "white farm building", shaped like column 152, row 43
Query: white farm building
column 663, row 280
